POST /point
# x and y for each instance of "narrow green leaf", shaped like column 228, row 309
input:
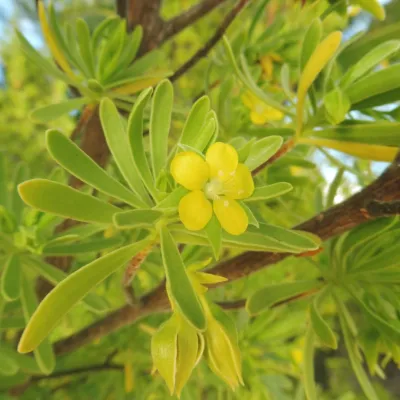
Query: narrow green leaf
column 79, row 164
column 262, row 151
column 334, row 186
column 40, row 61
column 21, row 174
column 380, row 133
column 3, row 182
column 269, row 191
column 369, row 61
column 66, row 202
column 132, row 44
column 214, row 234
column 8, row 366
column 250, row 215
column 12, row 322
column 376, row 83
column 135, row 132
column 118, row 142
column 206, row 133
column 92, row 245
column 25, row 363
column 387, row 258
column 355, row 361
column 11, row 279
column 43, row 352
column 172, row 200
column 272, row 294
column 321, row 328
column 54, row 275
column 53, row 111
column 85, row 45
column 308, row 366
column 195, row 120
column 310, row 41
column 137, row 219
column 160, row 120
column 72, row 289
column 180, row 286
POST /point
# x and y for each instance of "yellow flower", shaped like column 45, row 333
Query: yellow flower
column 267, row 64
column 260, row 112
column 215, row 182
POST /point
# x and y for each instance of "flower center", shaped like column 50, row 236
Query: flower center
column 213, row 189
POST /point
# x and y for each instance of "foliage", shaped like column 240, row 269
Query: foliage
column 220, row 165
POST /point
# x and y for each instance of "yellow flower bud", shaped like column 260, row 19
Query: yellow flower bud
column 176, row 348
column 222, row 349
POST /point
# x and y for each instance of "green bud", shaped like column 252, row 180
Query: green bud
column 337, row 105
column 222, row 349
column 176, row 348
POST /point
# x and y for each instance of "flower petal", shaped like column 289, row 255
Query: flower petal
column 222, row 159
column 231, row 216
column 195, row 211
column 240, row 185
column 190, row 170
column 258, row 118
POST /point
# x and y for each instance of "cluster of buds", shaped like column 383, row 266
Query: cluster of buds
column 177, row 347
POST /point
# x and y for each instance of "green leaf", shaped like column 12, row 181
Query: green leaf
column 380, row 133
column 25, row 363
column 12, row 322
column 180, row 286
column 53, row 111
column 369, row 61
column 207, row 132
column 172, row 200
column 250, row 215
column 85, row 45
column 137, row 219
column 132, row 44
column 79, row 164
column 214, row 234
column 160, row 120
column 21, row 174
column 71, row 290
column 3, row 182
column 297, row 239
column 66, row 202
column 273, row 294
column 355, row 361
column 269, row 191
column 334, row 186
column 321, row 328
column 308, row 365
column 40, row 61
column 118, row 142
column 135, row 132
column 92, row 245
column 44, row 355
column 8, row 366
column 376, row 83
column 54, row 275
column 11, row 279
column 262, row 151
column 195, row 120
column 310, row 41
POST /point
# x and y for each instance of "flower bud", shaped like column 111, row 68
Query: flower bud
column 222, row 350
column 337, row 105
column 176, row 348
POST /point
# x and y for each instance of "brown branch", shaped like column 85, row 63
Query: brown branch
column 329, row 223
column 383, row 209
column 212, row 41
column 120, row 6
column 177, row 24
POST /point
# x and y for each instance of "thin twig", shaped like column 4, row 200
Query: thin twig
column 211, row 42
column 179, row 23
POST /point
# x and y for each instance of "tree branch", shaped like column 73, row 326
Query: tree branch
column 332, row 222
column 211, row 42
column 177, row 24
column 120, row 5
